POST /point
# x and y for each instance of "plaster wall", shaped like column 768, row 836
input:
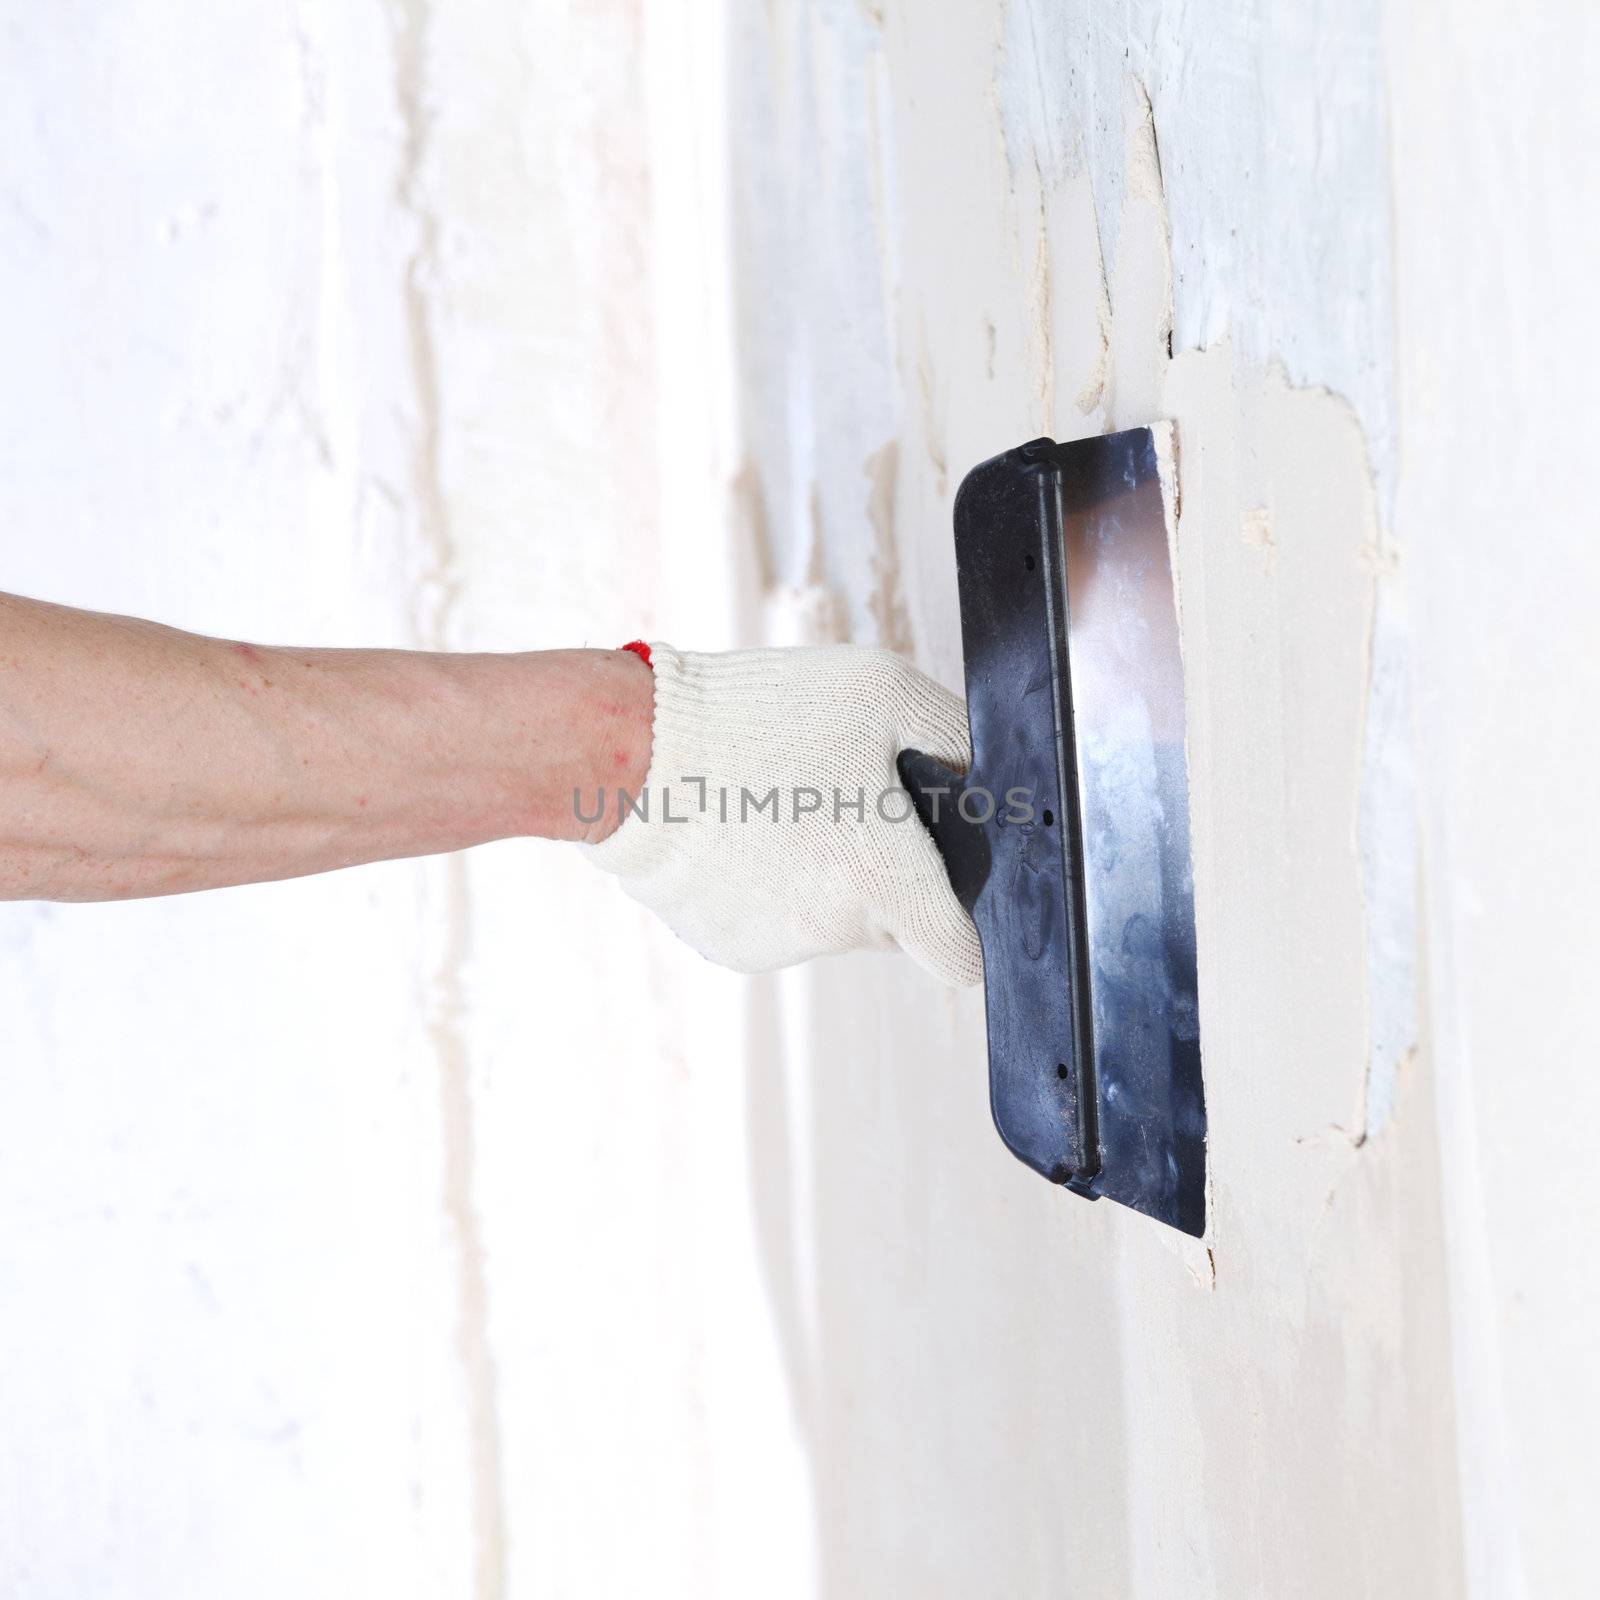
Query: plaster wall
column 1494, row 119
column 1079, row 204
column 445, row 1227
column 384, row 1233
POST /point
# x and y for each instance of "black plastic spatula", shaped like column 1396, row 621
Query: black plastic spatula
column 1069, row 839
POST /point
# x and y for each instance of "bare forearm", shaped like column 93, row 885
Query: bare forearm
column 138, row 760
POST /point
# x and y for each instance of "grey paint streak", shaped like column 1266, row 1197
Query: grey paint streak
column 1277, row 197
column 814, row 181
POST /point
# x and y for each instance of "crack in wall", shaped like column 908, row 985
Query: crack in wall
column 435, row 603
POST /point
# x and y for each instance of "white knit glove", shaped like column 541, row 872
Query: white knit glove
column 838, row 861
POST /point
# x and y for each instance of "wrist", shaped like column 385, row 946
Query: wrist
column 613, row 709
column 515, row 745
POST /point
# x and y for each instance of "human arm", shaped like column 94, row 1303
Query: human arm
column 139, row 760
column 136, row 759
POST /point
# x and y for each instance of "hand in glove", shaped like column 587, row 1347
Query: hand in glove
column 774, row 827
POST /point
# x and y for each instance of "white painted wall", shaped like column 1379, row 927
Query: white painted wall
column 383, row 1234
column 1494, row 123
column 447, row 1229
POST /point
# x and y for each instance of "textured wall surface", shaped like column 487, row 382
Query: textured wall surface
column 1078, row 201
column 445, row 1228
column 1495, row 126
column 387, row 1233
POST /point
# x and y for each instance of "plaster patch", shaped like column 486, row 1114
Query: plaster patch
column 932, row 426
column 1255, row 528
column 1052, row 230
column 1166, row 448
column 1135, row 360
column 1039, row 282
column 1092, row 392
column 751, row 532
column 1390, row 849
column 887, row 599
column 436, row 597
column 1141, row 292
column 1275, row 665
column 803, row 614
